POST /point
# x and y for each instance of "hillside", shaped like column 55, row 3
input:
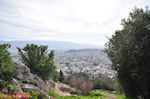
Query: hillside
column 26, row 82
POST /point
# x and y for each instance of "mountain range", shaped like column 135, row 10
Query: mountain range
column 55, row 45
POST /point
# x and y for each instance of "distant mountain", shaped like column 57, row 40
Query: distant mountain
column 55, row 45
column 1, row 42
column 82, row 50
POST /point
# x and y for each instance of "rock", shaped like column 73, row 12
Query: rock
column 28, row 81
column 23, row 73
column 16, row 83
column 49, row 84
column 29, row 87
column 60, row 92
column 66, row 88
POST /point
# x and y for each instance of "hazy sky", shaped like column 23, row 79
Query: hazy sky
column 80, row 21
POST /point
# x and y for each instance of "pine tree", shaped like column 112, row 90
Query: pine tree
column 39, row 60
column 6, row 68
column 61, row 76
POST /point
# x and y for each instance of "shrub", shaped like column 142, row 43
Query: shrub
column 118, row 88
column 52, row 93
column 39, row 60
column 55, row 76
column 81, row 82
column 103, row 83
column 34, row 95
column 12, row 88
column 3, row 84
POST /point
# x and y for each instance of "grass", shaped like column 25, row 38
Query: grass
column 119, row 96
column 94, row 94
column 90, row 95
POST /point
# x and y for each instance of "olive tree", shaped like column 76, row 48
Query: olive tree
column 129, row 52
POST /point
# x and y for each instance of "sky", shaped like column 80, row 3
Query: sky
column 79, row 21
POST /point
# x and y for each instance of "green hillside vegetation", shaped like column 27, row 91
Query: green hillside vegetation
column 94, row 94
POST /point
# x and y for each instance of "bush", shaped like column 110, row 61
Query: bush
column 34, row 95
column 12, row 88
column 52, row 93
column 103, row 83
column 118, row 88
column 55, row 76
column 39, row 60
column 6, row 68
column 80, row 81
column 3, row 84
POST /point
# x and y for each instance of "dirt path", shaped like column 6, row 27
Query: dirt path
column 58, row 91
column 108, row 95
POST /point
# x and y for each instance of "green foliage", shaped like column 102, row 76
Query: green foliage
column 39, row 60
column 93, row 93
column 6, row 68
column 34, row 95
column 12, row 88
column 117, row 86
column 3, row 84
column 90, row 95
column 129, row 52
column 7, row 87
column 55, row 76
column 52, row 93
column 119, row 96
column 103, row 83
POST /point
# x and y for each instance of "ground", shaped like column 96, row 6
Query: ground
column 58, row 91
column 109, row 96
